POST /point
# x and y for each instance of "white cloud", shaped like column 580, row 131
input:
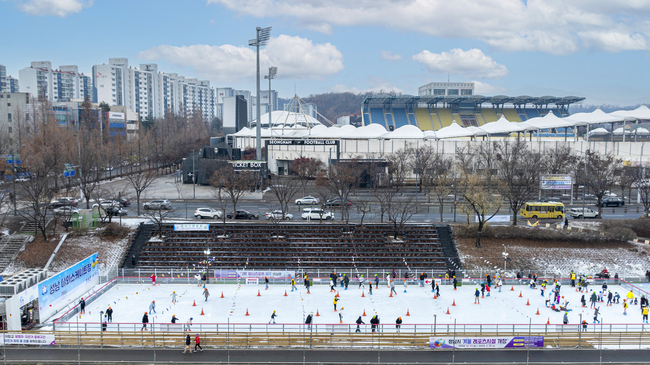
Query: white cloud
column 551, row 26
column 390, row 56
column 59, row 8
column 295, row 58
column 614, row 41
column 471, row 63
column 481, row 88
column 376, row 84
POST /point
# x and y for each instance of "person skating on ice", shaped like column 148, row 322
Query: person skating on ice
column 206, row 293
column 398, row 324
column 174, row 296
column 145, row 320
column 376, row 282
column 336, row 300
column 82, row 306
column 152, row 307
column 293, row 284
column 308, row 320
column 392, row 287
column 346, row 281
column 341, row 314
column 109, row 314
column 405, row 285
column 266, row 282
column 331, row 285
column 359, row 322
column 174, row 319
column 476, row 296
column 273, row 317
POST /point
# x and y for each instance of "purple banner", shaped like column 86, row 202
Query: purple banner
column 486, row 342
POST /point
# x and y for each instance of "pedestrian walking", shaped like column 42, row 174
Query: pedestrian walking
column 145, row 320
column 82, row 306
column 188, row 342
column 197, row 343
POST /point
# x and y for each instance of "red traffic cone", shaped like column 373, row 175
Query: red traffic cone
column 194, row 305
column 221, row 294
column 317, row 314
column 362, row 295
column 364, row 313
column 258, row 293
column 548, row 321
column 448, row 310
column 527, row 302
column 454, row 303
column 407, row 312
column 537, row 311
column 520, row 296
column 247, row 312
column 391, row 294
column 512, row 288
column 202, row 312
column 285, row 292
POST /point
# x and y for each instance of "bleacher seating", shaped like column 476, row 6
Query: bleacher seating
column 424, row 119
column 389, row 120
column 400, row 117
column 511, row 115
column 457, row 118
column 531, row 113
column 445, row 117
column 377, row 116
column 366, row 118
column 489, row 115
column 479, row 119
column 317, row 245
column 436, row 121
column 468, row 120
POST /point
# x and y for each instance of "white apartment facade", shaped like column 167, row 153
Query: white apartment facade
column 55, row 85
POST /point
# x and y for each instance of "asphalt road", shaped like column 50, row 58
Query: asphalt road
column 329, row 356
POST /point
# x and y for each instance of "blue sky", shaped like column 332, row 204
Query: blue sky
column 596, row 48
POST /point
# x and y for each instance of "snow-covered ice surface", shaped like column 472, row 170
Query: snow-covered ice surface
column 505, row 308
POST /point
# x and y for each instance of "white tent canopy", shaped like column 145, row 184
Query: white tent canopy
column 405, row 132
column 453, row 131
column 596, row 117
column 336, row 132
column 430, row 135
column 502, row 125
column 244, row 132
column 642, row 112
column 551, row 120
column 372, row 130
column 599, row 132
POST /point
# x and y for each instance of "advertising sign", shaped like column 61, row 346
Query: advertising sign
column 253, row 281
column 306, row 142
column 26, row 339
column 486, row 342
column 191, row 227
column 555, row 182
column 112, row 115
column 65, row 286
column 496, row 218
column 234, row 274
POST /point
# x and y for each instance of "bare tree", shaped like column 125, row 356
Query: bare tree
column 518, row 172
column 626, row 180
column 306, row 169
column 158, row 217
column 480, row 201
column 642, row 183
column 603, row 172
column 234, row 184
column 344, row 180
column 284, row 190
column 140, row 181
column 399, row 212
column 559, row 160
column 364, row 206
column 217, row 183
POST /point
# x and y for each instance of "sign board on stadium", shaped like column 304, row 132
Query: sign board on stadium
column 234, row 274
column 307, row 142
column 191, row 227
column 486, row 342
column 247, row 165
column 555, row 182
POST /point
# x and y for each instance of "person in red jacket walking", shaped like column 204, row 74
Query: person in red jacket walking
column 197, row 343
column 153, row 279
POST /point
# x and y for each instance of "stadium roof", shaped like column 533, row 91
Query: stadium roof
column 388, row 99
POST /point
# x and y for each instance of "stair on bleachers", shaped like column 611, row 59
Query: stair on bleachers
column 139, row 241
column 9, row 247
column 449, row 250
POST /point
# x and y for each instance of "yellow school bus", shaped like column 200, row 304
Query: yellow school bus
column 543, row 210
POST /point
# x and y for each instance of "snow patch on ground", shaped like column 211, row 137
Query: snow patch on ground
column 74, row 249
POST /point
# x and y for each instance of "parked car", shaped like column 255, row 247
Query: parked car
column 613, row 202
column 63, row 202
column 308, row 200
column 208, row 213
column 337, row 202
column 551, row 199
column 107, row 204
column 317, row 214
column 579, row 214
column 158, row 204
column 66, row 210
column 276, row 214
column 242, row 214
column 116, row 211
column 125, row 202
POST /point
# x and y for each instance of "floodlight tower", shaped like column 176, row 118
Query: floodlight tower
column 263, row 36
column 272, row 72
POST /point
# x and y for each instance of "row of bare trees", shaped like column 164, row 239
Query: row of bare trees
column 47, row 146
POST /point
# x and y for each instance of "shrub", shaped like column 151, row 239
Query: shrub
column 639, row 226
column 115, row 230
column 620, row 234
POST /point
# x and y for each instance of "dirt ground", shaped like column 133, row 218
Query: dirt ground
column 37, row 252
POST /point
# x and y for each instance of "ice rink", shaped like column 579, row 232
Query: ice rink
column 416, row 307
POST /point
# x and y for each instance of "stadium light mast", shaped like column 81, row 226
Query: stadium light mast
column 263, row 36
column 272, row 72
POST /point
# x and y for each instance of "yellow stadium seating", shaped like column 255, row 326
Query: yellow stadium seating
column 511, row 115
column 445, row 117
column 424, row 119
column 489, row 115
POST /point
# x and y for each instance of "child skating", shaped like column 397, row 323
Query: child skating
column 174, row 296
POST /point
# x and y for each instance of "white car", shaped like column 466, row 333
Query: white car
column 317, row 214
column 308, row 200
column 107, row 204
column 66, row 210
column 208, row 213
column 276, row 214
column 578, row 213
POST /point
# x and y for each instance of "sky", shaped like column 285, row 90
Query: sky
column 598, row 49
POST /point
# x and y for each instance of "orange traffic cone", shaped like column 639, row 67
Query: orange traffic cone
column 482, row 296
column 391, row 294
column 317, row 314
column 285, row 292
column 222, row 294
column 548, row 321
column 202, row 312
column 364, row 313
column 527, row 302
column 258, row 293
column 454, row 303
column 341, row 322
column 537, row 311
column 362, row 295
column 407, row 312
column 337, row 294
column 434, row 296
column 448, row 310
column 512, row 288
column 194, row 305
column 520, row 296
column 247, row 312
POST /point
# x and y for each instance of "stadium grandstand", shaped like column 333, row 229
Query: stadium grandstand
column 434, row 112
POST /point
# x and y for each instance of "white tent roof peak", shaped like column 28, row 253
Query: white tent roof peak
column 642, row 112
column 406, row 132
column 596, row 117
column 453, row 131
column 502, row 125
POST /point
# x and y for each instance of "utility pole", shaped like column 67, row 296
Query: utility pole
column 193, row 177
column 262, row 37
column 272, row 72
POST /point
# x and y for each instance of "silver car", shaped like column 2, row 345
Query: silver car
column 208, row 213
column 158, row 204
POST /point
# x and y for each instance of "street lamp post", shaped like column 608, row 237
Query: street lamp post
column 263, row 36
column 193, row 178
column 207, row 258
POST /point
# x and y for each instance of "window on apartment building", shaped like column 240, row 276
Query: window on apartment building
column 9, row 117
column 8, row 96
column 8, row 104
column 9, row 129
